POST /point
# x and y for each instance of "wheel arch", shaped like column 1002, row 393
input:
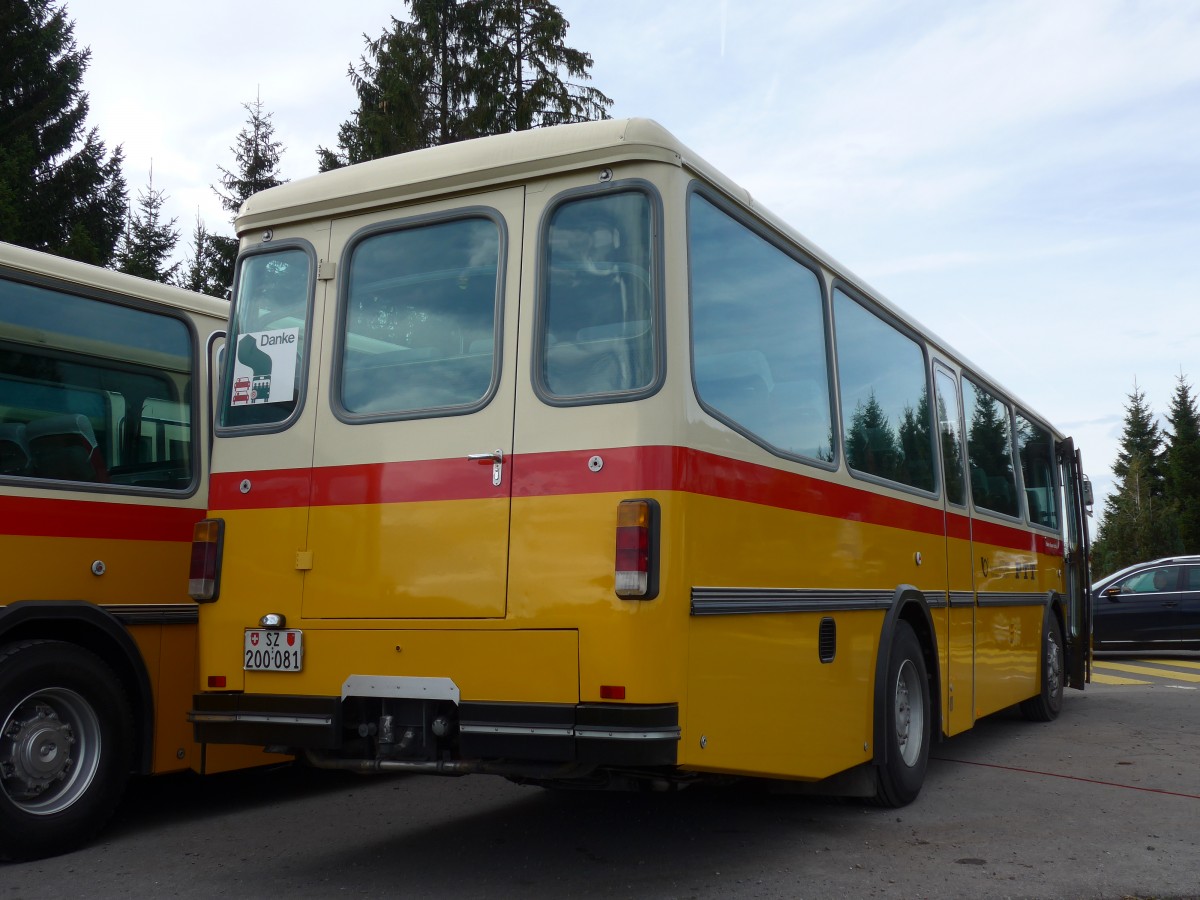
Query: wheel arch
column 1056, row 605
column 92, row 628
column 908, row 605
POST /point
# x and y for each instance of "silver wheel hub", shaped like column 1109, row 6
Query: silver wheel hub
column 910, row 714
column 35, row 751
column 49, row 751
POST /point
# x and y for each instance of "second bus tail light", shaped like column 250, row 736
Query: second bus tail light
column 637, row 549
column 204, row 576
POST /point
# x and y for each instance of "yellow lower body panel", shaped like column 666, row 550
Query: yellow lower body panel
column 760, row 701
column 1006, row 656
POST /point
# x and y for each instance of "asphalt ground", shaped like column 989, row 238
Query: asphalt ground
column 1102, row 803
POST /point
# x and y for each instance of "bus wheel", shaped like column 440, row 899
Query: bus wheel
column 908, row 721
column 1047, row 704
column 65, row 747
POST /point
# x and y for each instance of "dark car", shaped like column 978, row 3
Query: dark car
column 1150, row 606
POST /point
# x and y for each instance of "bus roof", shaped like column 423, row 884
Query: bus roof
column 46, row 265
column 510, row 158
column 465, row 165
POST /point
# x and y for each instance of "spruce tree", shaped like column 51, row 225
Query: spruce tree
column 1140, row 437
column 1181, row 468
column 1137, row 526
column 60, row 190
column 522, row 80
column 1139, row 522
column 461, row 69
column 208, row 270
column 148, row 241
column 257, row 157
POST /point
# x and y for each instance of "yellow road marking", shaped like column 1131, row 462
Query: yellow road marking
column 1113, row 679
column 1185, row 663
column 1146, row 670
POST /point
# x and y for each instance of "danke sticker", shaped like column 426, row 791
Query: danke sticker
column 264, row 369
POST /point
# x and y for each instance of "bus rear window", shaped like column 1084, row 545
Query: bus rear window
column 597, row 318
column 419, row 325
column 263, row 380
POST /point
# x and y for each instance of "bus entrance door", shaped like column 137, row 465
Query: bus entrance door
column 1076, row 575
column 960, row 569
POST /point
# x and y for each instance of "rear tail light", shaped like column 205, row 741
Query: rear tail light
column 637, row 549
column 204, row 577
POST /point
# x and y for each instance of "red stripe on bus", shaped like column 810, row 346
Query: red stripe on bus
column 45, row 517
column 268, row 489
column 628, row 470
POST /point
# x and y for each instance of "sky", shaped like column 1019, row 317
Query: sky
column 1021, row 177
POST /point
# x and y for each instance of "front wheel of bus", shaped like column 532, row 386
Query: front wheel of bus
column 65, row 745
column 1048, row 702
column 908, row 721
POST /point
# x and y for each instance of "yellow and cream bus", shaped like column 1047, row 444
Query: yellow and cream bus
column 554, row 455
column 104, row 436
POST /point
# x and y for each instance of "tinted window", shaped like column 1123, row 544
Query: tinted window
column 989, row 450
column 267, row 343
column 91, row 391
column 419, row 329
column 1191, row 578
column 1036, row 451
column 758, row 335
column 597, row 317
column 885, row 398
column 1150, row 581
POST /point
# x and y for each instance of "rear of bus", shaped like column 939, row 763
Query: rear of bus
column 528, row 464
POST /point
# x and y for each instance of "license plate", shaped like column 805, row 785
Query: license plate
column 274, row 650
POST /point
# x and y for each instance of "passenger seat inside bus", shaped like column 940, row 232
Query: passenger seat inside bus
column 65, row 447
column 14, row 449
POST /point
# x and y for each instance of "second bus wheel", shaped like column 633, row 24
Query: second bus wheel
column 1048, row 702
column 908, row 721
column 65, row 747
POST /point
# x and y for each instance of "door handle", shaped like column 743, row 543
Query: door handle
column 496, row 458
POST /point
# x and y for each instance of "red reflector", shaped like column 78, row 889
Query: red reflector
column 612, row 692
column 216, row 681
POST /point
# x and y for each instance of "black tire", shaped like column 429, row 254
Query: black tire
column 908, row 721
column 65, row 747
column 1046, row 706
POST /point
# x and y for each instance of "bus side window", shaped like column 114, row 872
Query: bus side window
column 990, row 450
column 76, row 376
column 758, row 335
column 597, row 335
